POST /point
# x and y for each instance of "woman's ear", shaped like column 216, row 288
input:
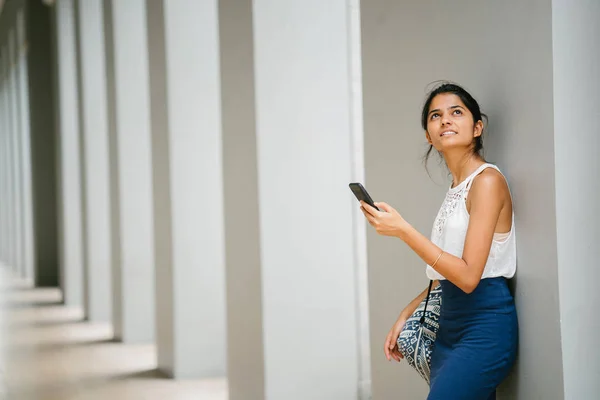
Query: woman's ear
column 428, row 138
column 478, row 130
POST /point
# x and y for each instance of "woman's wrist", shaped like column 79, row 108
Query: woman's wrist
column 403, row 230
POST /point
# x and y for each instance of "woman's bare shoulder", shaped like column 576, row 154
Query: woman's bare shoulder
column 490, row 182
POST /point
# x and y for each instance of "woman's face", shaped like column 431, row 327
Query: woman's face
column 450, row 123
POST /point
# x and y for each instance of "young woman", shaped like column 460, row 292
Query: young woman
column 472, row 253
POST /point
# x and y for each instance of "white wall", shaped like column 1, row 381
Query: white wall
column 302, row 68
column 576, row 98
column 520, row 104
column 509, row 70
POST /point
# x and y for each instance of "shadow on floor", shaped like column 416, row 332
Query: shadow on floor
column 16, row 326
column 147, row 374
column 30, row 304
column 39, row 348
column 51, row 352
column 58, row 388
column 16, row 288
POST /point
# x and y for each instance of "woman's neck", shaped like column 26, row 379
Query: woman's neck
column 462, row 165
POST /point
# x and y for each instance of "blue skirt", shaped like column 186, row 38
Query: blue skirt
column 477, row 341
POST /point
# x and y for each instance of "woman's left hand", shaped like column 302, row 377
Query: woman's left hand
column 387, row 222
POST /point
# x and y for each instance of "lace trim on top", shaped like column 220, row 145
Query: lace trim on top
column 448, row 207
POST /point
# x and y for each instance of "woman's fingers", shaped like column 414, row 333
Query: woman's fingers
column 390, row 347
column 368, row 208
column 369, row 217
column 397, row 355
column 386, row 346
column 384, row 206
column 393, row 342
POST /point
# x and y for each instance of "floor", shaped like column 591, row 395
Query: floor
column 47, row 351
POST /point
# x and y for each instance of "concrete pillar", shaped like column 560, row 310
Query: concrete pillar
column 94, row 137
column 25, row 146
column 83, row 184
column 245, row 358
column 186, row 132
column 4, row 175
column 43, row 107
column 113, row 164
column 15, row 132
column 2, row 168
column 304, row 139
column 510, row 72
column 3, row 211
column 576, row 57
column 133, row 276
column 10, row 164
column 72, row 238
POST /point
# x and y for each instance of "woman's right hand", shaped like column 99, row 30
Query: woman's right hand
column 390, row 347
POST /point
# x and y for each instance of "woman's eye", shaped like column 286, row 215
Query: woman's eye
column 434, row 115
column 457, row 112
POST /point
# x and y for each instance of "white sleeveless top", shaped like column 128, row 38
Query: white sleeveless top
column 450, row 230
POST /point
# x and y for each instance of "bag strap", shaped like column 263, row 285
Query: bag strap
column 426, row 301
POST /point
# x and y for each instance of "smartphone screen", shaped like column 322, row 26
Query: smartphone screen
column 361, row 194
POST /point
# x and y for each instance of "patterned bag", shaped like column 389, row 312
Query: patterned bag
column 416, row 341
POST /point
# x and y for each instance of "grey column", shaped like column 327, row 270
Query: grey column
column 2, row 169
column 113, row 165
column 510, row 72
column 14, row 48
column 10, row 166
column 94, row 138
column 25, row 148
column 576, row 56
column 304, row 140
column 43, row 107
column 4, row 229
column 72, row 260
column 359, row 222
column 16, row 153
column 3, row 211
column 186, row 131
column 245, row 358
column 133, row 276
column 82, row 160
column 16, row 128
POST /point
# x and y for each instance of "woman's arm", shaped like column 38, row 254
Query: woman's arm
column 390, row 347
column 486, row 198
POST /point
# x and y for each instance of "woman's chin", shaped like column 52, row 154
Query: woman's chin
column 453, row 145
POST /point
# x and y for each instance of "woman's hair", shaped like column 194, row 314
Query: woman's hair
column 469, row 102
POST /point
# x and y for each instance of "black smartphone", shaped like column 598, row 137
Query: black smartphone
column 361, row 194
